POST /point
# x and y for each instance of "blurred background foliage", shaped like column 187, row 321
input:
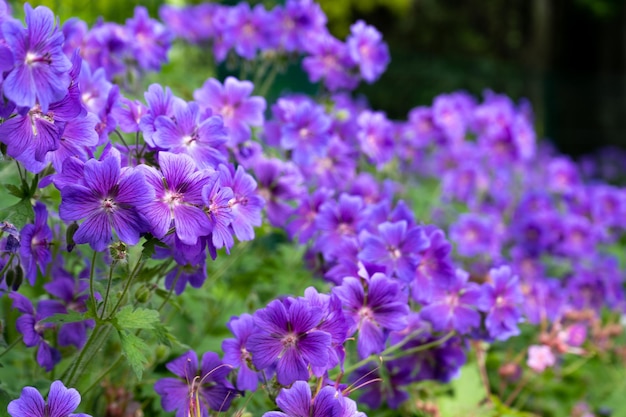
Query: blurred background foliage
column 568, row 57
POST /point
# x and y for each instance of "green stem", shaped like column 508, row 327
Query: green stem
column 388, row 351
column 269, row 80
column 106, row 294
column 129, row 281
column 169, row 294
column 119, row 135
column 8, row 264
column 11, row 346
column 102, row 375
column 94, row 343
column 92, row 291
column 421, row 348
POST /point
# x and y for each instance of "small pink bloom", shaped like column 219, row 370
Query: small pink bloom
column 540, row 357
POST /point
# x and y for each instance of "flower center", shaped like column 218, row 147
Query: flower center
column 173, row 198
column 289, row 340
column 109, row 205
column 366, row 313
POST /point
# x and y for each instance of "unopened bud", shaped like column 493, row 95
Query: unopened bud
column 143, row 294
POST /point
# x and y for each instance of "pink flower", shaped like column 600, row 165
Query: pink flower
column 540, row 358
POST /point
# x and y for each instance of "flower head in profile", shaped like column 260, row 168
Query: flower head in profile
column 62, row 402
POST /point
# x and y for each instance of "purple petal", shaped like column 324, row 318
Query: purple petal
column 61, row 400
column 291, row 367
column 295, row 401
column 30, row 404
column 314, row 347
column 371, row 339
column 264, row 349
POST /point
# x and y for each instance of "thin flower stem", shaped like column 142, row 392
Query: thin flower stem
column 421, row 348
column 7, row 265
column 92, row 291
column 102, row 375
column 93, row 344
column 106, row 294
column 389, row 351
column 11, row 346
column 269, row 80
column 170, row 292
column 480, row 359
column 129, row 281
column 119, row 135
column 516, row 392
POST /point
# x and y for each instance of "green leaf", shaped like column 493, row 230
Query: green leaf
column 149, row 247
column 141, row 318
column 468, row 393
column 14, row 190
column 19, row 214
column 69, row 317
column 133, row 349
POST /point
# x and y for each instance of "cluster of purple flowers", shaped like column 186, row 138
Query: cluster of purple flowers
column 527, row 244
column 296, row 28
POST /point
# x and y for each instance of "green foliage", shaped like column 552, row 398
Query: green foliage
column 134, row 348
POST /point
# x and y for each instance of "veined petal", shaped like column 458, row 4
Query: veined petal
column 29, row 404
column 61, row 400
column 295, row 401
column 191, row 223
column 96, row 231
column 291, row 367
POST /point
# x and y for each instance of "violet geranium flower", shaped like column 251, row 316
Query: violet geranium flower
column 382, row 308
column 61, row 402
column 178, row 191
column 287, row 333
column 232, row 101
column 41, row 72
column 109, row 198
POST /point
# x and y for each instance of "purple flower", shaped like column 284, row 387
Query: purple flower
column 248, row 29
column 395, row 246
column 232, row 101
column 150, row 40
column 368, row 50
column 455, row 307
column 376, row 137
column 30, row 325
column 246, row 204
column 109, row 198
column 383, row 307
column 217, row 200
column 503, row 299
column 329, row 61
column 306, row 133
column 199, row 390
column 236, row 354
column 337, row 222
column 474, row 235
column 303, row 222
column 435, row 268
column 35, row 244
column 279, row 182
column 73, row 296
column 178, row 198
column 30, row 136
column 62, row 402
column 297, row 401
column 161, row 102
column 287, row 334
column 198, row 135
column 41, row 72
column 299, row 20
